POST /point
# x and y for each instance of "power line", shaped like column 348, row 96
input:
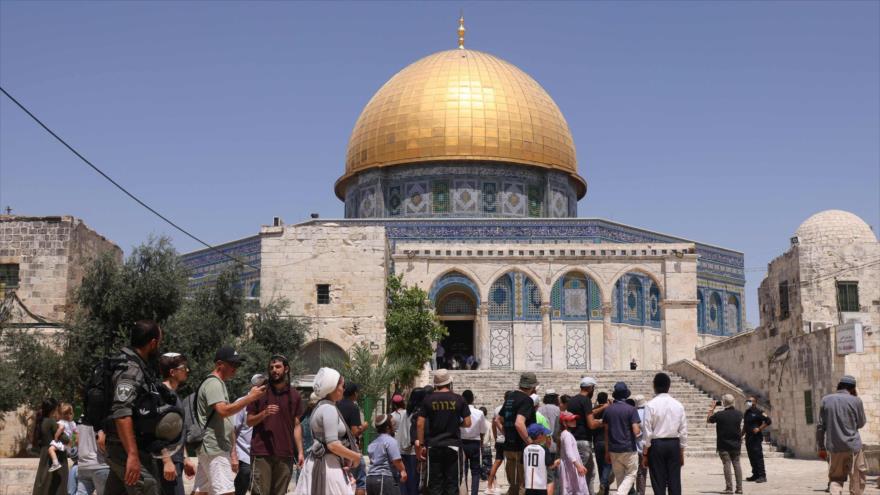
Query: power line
column 119, row 186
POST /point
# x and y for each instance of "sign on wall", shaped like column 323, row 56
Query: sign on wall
column 850, row 339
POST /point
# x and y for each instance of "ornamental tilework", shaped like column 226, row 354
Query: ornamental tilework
column 490, row 197
column 536, row 201
column 513, row 199
column 501, row 299
column 531, row 299
column 534, row 346
column 558, row 204
column 368, row 204
column 416, row 198
column 576, row 296
column 732, row 314
column 395, row 201
column 466, row 197
column 501, row 346
column 577, row 347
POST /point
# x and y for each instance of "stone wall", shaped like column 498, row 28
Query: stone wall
column 52, row 254
column 351, row 259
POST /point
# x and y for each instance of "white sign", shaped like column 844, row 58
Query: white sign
column 850, row 339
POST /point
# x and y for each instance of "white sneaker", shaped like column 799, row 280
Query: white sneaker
column 54, row 467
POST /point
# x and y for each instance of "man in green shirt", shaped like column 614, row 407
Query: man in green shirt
column 218, row 462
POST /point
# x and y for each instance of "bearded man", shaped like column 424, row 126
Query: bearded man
column 276, row 443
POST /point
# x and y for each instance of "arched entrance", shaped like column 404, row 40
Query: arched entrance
column 321, row 352
column 456, row 307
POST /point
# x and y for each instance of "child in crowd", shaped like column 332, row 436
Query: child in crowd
column 573, row 473
column 537, row 461
column 56, row 445
column 385, row 459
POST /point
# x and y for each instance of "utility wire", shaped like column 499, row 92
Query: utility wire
column 118, row 186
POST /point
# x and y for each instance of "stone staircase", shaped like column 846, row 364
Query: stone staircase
column 489, row 386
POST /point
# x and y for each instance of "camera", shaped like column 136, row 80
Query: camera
column 259, row 380
column 717, row 402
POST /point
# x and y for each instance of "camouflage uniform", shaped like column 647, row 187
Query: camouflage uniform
column 130, row 388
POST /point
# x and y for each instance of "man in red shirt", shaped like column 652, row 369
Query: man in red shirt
column 277, row 435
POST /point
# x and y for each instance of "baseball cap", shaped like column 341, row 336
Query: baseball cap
column 588, row 381
column 567, row 416
column 536, row 430
column 228, row 355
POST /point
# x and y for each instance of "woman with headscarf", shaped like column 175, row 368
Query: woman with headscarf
column 324, row 469
column 49, row 482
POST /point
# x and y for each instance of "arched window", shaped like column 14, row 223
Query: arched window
column 654, row 305
column 732, row 321
column 713, row 316
column 575, row 296
column 531, row 299
column 634, row 302
column 456, row 304
column 501, row 298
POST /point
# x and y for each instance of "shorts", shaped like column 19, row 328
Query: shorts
column 214, row 474
column 360, row 475
column 499, row 451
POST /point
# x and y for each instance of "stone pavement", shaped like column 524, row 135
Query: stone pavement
column 702, row 475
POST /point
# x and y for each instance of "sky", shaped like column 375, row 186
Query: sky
column 728, row 123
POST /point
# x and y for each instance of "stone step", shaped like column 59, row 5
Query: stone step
column 489, row 387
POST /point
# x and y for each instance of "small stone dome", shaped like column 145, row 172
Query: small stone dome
column 834, row 226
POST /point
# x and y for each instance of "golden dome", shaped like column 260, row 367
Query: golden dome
column 461, row 105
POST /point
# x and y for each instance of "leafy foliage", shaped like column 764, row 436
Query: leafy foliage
column 151, row 283
column 411, row 328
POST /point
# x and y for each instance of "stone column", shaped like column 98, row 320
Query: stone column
column 481, row 326
column 609, row 335
column 679, row 330
column 546, row 337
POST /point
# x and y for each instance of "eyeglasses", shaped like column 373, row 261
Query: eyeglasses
column 182, row 367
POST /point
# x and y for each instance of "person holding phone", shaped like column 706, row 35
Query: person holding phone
column 728, row 430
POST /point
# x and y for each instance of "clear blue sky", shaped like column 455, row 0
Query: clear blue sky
column 727, row 123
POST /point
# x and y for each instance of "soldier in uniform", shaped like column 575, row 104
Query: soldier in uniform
column 754, row 422
column 132, row 468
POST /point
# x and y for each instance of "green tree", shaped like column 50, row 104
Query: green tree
column 411, row 328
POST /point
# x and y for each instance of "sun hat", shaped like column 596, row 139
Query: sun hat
column 528, row 380
column 442, row 377
column 621, row 391
column 640, row 400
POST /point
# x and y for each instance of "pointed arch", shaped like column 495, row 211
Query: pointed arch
column 733, row 315
column 450, row 280
column 576, row 296
column 636, row 299
column 515, row 295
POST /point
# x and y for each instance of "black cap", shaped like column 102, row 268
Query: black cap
column 228, row 355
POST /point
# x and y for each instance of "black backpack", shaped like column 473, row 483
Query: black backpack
column 195, row 431
column 98, row 391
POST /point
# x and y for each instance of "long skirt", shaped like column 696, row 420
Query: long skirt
column 337, row 481
column 54, row 483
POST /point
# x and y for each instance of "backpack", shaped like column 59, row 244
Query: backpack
column 98, row 391
column 195, row 431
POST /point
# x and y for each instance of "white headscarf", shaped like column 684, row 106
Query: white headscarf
column 326, row 381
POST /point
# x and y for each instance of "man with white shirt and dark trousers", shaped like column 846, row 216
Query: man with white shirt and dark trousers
column 665, row 429
column 472, row 440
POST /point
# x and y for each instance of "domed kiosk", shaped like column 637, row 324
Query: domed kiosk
column 834, row 226
column 461, row 133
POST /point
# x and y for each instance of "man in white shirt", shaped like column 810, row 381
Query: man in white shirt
column 472, row 439
column 665, row 433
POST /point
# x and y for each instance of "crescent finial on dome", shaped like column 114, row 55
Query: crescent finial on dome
column 461, row 31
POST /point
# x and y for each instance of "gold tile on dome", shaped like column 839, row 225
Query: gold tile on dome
column 461, row 103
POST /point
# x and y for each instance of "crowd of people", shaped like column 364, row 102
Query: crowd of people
column 431, row 440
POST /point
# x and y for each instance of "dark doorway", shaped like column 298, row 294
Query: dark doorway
column 459, row 344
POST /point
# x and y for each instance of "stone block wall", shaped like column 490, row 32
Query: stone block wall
column 52, row 254
column 351, row 259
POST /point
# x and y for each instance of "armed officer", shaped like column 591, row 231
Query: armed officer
column 754, row 422
column 139, row 410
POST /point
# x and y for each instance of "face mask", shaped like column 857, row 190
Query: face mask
column 748, row 403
